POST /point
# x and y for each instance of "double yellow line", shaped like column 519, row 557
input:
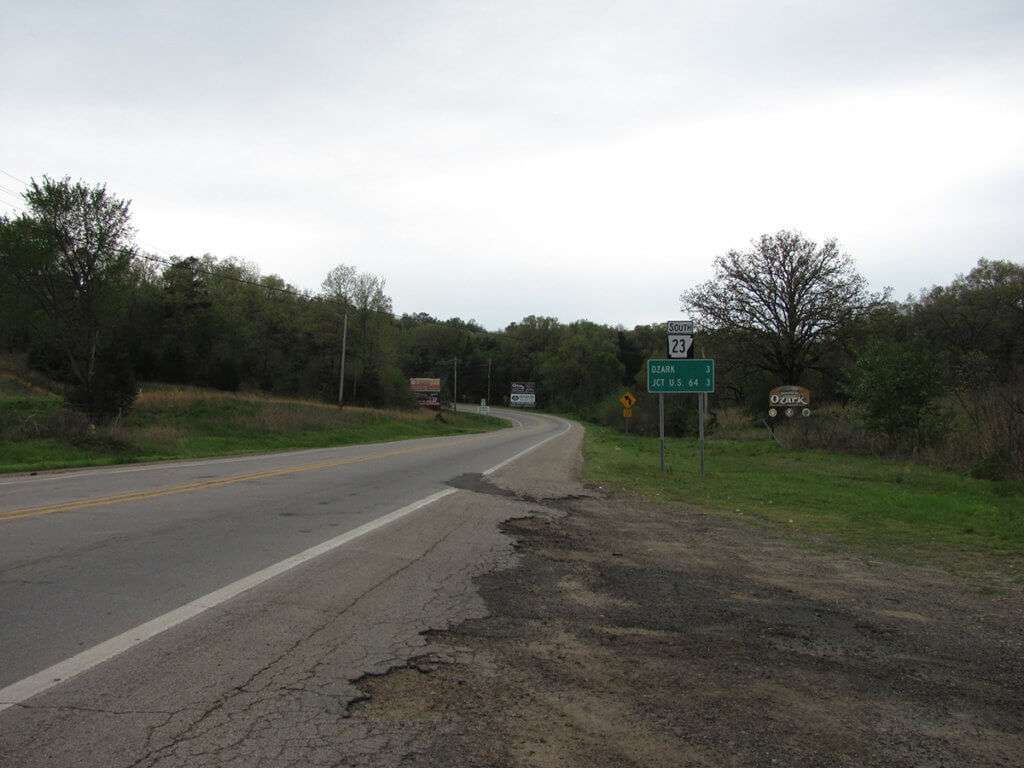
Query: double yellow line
column 218, row 482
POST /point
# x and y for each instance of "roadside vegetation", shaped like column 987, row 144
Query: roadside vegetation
column 168, row 422
column 897, row 509
column 936, row 378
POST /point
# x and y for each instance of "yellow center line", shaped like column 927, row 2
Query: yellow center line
column 218, row 482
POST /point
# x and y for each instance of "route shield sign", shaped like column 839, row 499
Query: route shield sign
column 680, row 346
column 680, row 339
column 680, row 376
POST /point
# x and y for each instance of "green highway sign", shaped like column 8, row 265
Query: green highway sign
column 677, row 376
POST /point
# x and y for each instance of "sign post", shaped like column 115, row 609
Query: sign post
column 683, row 376
column 702, row 407
column 661, row 427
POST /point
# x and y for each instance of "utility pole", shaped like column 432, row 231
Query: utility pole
column 341, row 377
column 455, row 388
column 488, row 381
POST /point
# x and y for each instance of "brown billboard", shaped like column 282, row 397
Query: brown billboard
column 789, row 397
column 425, row 385
column 789, row 401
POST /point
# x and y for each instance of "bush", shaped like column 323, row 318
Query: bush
column 225, row 372
column 111, row 390
column 996, row 466
column 680, row 414
column 896, row 385
column 990, row 432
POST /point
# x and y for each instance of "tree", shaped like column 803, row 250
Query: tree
column 897, row 383
column 582, row 367
column 73, row 253
column 786, row 298
column 370, row 325
column 978, row 319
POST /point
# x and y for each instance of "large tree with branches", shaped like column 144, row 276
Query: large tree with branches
column 787, row 298
column 73, row 253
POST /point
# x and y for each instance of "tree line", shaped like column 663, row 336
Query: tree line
column 95, row 312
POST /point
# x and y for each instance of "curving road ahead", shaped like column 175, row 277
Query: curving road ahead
column 93, row 562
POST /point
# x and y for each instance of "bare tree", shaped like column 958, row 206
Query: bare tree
column 786, row 297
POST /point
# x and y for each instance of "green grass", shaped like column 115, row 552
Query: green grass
column 179, row 423
column 896, row 509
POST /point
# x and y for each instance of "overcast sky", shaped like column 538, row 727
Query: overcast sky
column 499, row 159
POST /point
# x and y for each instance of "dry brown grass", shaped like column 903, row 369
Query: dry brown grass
column 167, row 438
column 161, row 396
column 733, row 423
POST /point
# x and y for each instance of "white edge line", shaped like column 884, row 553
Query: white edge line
column 24, row 689
column 506, row 462
column 35, row 684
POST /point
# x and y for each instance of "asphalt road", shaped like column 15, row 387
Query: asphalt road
column 88, row 555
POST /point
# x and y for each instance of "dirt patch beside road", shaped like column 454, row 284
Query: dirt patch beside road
column 637, row 634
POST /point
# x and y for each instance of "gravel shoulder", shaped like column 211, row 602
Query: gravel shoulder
column 630, row 633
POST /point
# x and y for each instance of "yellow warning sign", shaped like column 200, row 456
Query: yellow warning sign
column 628, row 400
column 627, row 413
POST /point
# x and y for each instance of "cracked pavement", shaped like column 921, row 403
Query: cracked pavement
column 271, row 677
column 529, row 621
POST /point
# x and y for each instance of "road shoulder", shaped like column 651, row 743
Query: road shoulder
column 634, row 633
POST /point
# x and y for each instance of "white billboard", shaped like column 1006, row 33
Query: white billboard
column 523, row 394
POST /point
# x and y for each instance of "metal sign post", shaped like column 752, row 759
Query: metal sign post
column 661, row 427
column 702, row 407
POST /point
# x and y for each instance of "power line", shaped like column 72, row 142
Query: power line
column 171, row 262
column 16, row 201
column 196, row 267
column 19, row 207
column 5, row 173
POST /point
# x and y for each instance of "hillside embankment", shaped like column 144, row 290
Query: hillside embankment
column 171, row 422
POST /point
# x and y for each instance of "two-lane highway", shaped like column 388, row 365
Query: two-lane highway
column 86, row 556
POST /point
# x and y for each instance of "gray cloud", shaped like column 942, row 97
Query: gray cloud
column 498, row 159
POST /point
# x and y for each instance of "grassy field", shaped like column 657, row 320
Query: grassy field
column 900, row 510
column 184, row 422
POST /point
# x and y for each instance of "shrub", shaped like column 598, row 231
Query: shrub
column 110, row 391
column 896, row 385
